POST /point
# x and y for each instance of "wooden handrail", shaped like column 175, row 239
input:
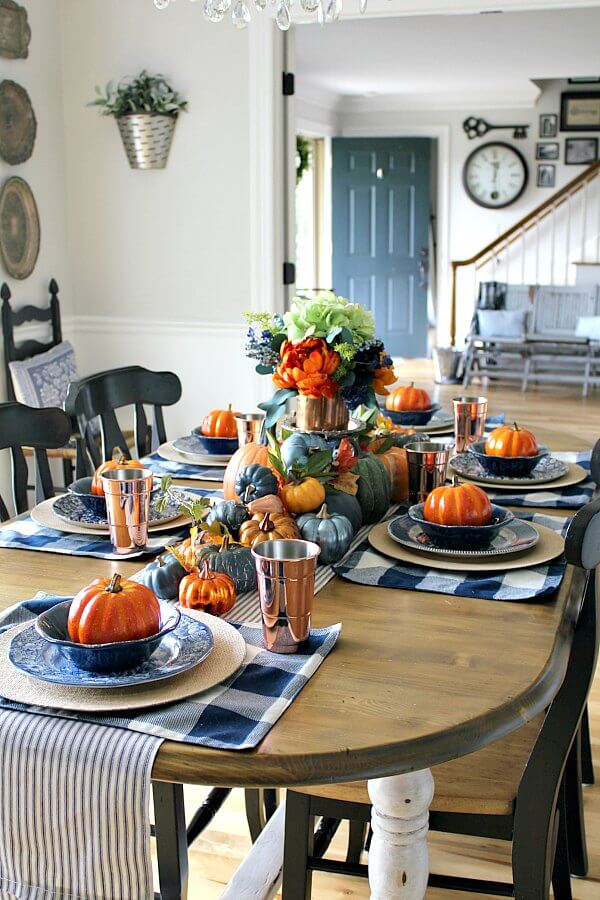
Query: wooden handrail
column 515, row 231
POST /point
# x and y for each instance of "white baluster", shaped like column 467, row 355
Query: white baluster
column 568, row 240
column 583, row 254
column 553, row 244
column 398, row 856
column 522, row 256
column 537, row 251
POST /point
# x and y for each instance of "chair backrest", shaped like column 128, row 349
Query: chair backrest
column 41, row 429
column 98, row 396
column 595, row 464
column 15, row 351
column 557, row 309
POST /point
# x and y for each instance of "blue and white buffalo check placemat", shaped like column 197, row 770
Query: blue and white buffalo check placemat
column 572, row 497
column 161, row 466
column 366, row 566
column 235, row 715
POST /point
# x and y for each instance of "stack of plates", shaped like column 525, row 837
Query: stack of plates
column 549, row 473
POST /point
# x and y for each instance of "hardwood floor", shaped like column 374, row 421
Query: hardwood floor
column 215, row 856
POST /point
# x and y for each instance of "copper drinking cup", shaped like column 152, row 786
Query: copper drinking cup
column 470, row 414
column 249, row 427
column 127, row 494
column 427, row 467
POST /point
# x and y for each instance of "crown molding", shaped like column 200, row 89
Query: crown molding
column 468, row 101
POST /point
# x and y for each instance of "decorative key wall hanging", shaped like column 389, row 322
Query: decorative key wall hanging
column 475, row 128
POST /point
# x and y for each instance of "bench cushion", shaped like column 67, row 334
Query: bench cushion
column 502, row 322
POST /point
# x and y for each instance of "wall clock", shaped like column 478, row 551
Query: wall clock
column 495, row 175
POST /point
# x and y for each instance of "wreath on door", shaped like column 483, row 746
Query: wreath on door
column 302, row 156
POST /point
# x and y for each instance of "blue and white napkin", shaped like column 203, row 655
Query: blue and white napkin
column 161, row 466
column 573, row 496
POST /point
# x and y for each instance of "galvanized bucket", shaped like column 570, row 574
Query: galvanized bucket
column 147, row 139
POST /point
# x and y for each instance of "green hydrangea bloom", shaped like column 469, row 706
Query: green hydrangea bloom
column 325, row 313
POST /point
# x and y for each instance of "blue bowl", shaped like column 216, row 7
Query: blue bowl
column 96, row 504
column 462, row 537
column 118, row 657
column 506, row 466
column 411, row 416
column 217, row 446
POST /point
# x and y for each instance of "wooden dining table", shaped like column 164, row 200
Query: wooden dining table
column 416, row 679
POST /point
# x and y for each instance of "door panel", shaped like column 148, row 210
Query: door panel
column 380, row 225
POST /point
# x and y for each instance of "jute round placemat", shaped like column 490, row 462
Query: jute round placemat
column 225, row 659
column 44, row 515
column 573, row 476
column 549, row 546
column 168, row 451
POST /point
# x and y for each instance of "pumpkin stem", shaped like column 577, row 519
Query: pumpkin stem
column 229, row 407
column 266, row 525
column 206, row 572
column 411, row 385
column 455, row 481
column 114, row 587
column 322, row 514
column 516, row 427
column 247, row 494
column 225, row 544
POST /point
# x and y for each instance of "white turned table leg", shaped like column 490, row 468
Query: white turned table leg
column 398, row 856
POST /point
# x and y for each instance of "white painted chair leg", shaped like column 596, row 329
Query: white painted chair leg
column 398, row 855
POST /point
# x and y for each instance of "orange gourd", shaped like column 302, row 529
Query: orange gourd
column 270, row 503
column 211, row 592
column 303, row 496
column 268, row 527
column 510, row 440
column 396, row 462
column 404, row 399
column 246, row 455
column 458, row 504
column 120, row 463
column 220, row 423
column 110, row 610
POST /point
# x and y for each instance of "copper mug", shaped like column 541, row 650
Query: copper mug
column 127, row 494
column 470, row 414
column 249, row 427
column 427, row 466
column 286, row 587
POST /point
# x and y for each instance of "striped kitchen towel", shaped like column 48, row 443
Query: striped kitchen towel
column 366, row 566
column 74, row 810
column 572, row 497
column 161, row 466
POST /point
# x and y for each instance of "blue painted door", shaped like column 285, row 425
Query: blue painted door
column 381, row 234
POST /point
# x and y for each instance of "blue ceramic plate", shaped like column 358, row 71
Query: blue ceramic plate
column 70, row 508
column 506, row 466
column 441, row 422
column 547, row 470
column 215, row 446
column 412, row 416
column 465, row 537
column 96, row 504
column 191, row 445
column 187, row 646
column 516, row 537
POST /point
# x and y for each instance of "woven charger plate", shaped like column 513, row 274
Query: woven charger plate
column 168, row 451
column 44, row 515
column 226, row 657
column 573, row 476
column 549, row 546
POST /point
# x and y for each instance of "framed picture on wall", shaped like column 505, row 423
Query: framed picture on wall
column 581, row 151
column 546, row 176
column 546, row 150
column 548, row 125
column 580, row 111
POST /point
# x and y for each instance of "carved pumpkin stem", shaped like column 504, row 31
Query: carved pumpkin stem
column 225, row 544
column 247, row 498
column 323, row 514
column 114, row 587
column 266, row 525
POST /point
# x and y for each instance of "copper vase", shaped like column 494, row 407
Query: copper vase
column 321, row 414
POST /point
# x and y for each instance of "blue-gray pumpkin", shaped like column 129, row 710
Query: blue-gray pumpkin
column 230, row 514
column 233, row 560
column 296, row 449
column 374, row 488
column 344, row 504
column 255, row 481
column 162, row 576
column 333, row 533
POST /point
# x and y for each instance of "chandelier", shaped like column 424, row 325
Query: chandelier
column 216, row 10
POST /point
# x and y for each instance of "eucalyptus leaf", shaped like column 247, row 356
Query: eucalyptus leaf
column 346, row 336
column 264, row 370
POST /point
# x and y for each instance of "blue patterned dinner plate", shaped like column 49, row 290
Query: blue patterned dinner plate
column 516, row 537
column 71, row 509
column 547, row 470
column 441, row 420
column 187, row 646
column 190, row 445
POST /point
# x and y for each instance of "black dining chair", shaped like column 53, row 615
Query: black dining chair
column 100, row 395
column 526, row 770
column 40, row 429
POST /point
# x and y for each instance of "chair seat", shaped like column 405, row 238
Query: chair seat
column 484, row 782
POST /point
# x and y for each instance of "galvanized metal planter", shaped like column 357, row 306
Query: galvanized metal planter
column 147, row 139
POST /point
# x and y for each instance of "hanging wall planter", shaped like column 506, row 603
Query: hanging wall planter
column 146, row 109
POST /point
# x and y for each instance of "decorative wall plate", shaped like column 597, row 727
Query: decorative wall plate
column 19, row 228
column 15, row 32
column 18, row 126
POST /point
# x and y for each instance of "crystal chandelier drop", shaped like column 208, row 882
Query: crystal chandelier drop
column 239, row 10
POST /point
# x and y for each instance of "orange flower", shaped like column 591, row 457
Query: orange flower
column 382, row 377
column 307, row 366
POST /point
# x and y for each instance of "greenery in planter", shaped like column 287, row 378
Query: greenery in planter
column 150, row 94
column 302, row 156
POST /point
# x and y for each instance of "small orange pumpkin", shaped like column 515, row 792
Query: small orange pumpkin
column 270, row 527
column 220, row 423
column 510, row 440
column 121, row 462
column 404, row 399
column 303, row 496
column 246, row 455
column 211, row 592
column 396, row 462
column 110, row 610
column 458, row 504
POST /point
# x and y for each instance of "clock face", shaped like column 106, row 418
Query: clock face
column 495, row 175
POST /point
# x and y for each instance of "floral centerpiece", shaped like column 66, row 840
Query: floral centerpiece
column 324, row 348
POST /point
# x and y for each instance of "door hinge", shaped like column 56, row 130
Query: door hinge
column 288, row 86
column 289, row 273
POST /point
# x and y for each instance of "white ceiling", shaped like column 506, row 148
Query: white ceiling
column 448, row 57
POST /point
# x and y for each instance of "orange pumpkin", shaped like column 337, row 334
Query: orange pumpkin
column 403, row 399
column 220, row 423
column 270, row 527
column 211, row 592
column 110, row 610
column 246, row 455
column 458, row 504
column 396, row 462
column 303, row 496
column 510, row 440
column 121, row 462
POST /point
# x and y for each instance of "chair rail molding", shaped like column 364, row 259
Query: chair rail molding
column 125, row 325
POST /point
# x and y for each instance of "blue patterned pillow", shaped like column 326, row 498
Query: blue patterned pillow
column 43, row 380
